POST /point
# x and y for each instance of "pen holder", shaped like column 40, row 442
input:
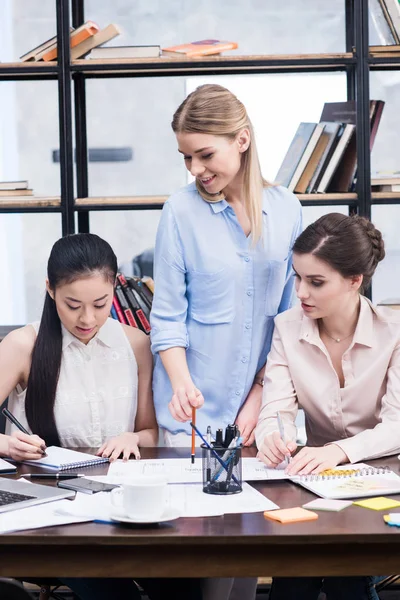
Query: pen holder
column 217, row 479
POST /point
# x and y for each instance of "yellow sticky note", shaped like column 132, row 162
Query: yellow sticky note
column 291, row 515
column 379, row 503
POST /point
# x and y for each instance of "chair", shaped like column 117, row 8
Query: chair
column 13, row 590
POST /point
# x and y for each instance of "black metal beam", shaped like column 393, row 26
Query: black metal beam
column 65, row 118
column 350, row 72
column 362, row 108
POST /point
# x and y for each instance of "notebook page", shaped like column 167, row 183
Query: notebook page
column 6, row 467
column 64, row 458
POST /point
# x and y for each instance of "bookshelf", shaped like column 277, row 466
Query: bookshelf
column 71, row 79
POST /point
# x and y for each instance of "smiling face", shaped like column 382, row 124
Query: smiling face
column 84, row 305
column 214, row 160
column 322, row 290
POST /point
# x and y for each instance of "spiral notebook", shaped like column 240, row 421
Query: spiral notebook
column 64, row 458
column 351, row 481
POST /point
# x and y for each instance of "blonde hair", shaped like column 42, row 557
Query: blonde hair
column 214, row 110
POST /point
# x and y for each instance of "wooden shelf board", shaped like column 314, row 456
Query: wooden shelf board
column 127, row 200
column 31, row 202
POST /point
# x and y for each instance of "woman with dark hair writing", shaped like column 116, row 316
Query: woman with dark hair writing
column 337, row 356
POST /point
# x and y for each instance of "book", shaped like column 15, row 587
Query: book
column 141, row 296
column 306, row 156
column 351, row 481
column 331, row 133
column 139, row 317
column 393, row 10
column 295, row 152
column 13, row 185
column 126, row 52
column 344, row 139
column 389, row 21
column 380, row 24
column 64, row 458
column 200, row 48
column 118, row 309
column 312, row 164
column 17, row 192
column 389, row 179
column 77, row 36
column 345, row 112
column 43, row 46
column 125, row 308
column 103, row 36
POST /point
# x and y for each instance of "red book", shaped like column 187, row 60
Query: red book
column 126, row 309
column 141, row 318
column 118, row 310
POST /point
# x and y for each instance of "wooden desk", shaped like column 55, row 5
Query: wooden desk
column 352, row 542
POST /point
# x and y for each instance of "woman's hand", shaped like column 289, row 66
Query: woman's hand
column 125, row 444
column 274, row 450
column 185, row 398
column 247, row 417
column 22, row 446
column 314, row 460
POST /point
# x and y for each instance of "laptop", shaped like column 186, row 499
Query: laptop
column 15, row 494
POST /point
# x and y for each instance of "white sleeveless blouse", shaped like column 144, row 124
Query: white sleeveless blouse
column 96, row 396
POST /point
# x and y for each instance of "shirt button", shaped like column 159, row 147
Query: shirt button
column 249, row 292
column 246, row 258
column 237, row 393
column 247, row 326
column 244, row 359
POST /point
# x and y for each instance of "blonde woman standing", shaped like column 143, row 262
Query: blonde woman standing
column 222, row 273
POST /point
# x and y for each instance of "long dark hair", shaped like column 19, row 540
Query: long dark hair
column 72, row 257
column 350, row 245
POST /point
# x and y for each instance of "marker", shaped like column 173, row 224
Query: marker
column 281, row 432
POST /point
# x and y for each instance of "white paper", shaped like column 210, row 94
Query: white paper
column 180, row 470
column 189, row 499
column 42, row 515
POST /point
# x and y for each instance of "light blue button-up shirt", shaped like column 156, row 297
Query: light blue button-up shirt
column 217, row 296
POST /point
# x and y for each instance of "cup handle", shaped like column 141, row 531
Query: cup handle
column 117, row 496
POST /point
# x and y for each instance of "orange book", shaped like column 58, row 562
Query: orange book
column 201, row 48
column 80, row 34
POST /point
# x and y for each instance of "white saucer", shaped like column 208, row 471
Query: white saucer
column 168, row 515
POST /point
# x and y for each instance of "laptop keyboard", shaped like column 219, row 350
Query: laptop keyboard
column 11, row 497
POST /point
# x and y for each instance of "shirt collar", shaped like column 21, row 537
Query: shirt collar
column 104, row 335
column 364, row 333
column 218, row 207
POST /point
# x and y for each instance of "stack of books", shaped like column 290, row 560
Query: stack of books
column 385, row 16
column 132, row 301
column 385, row 181
column 14, row 190
column 83, row 40
column 322, row 157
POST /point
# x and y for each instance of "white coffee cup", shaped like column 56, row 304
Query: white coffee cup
column 143, row 497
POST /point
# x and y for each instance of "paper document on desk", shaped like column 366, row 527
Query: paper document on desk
column 36, row 517
column 189, row 499
column 180, row 470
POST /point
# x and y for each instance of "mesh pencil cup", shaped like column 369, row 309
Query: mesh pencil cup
column 217, row 479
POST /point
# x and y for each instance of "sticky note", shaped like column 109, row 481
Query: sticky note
column 291, row 515
column 379, row 503
column 393, row 518
column 328, row 504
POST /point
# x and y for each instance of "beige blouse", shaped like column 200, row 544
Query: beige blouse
column 363, row 417
column 96, row 396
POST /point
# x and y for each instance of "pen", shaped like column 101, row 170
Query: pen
column 229, row 457
column 281, row 432
column 193, row 435
column 8, row 415
column 208, row 471
column 203, row 439
column 52, row 475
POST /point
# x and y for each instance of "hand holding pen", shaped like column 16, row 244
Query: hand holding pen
column 185, row 398
column 275, row 449
column 21, row 444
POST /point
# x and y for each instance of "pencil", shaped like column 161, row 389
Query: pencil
column 193, row 435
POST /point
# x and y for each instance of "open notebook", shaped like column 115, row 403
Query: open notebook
column 63, row 459
column 351, row 481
